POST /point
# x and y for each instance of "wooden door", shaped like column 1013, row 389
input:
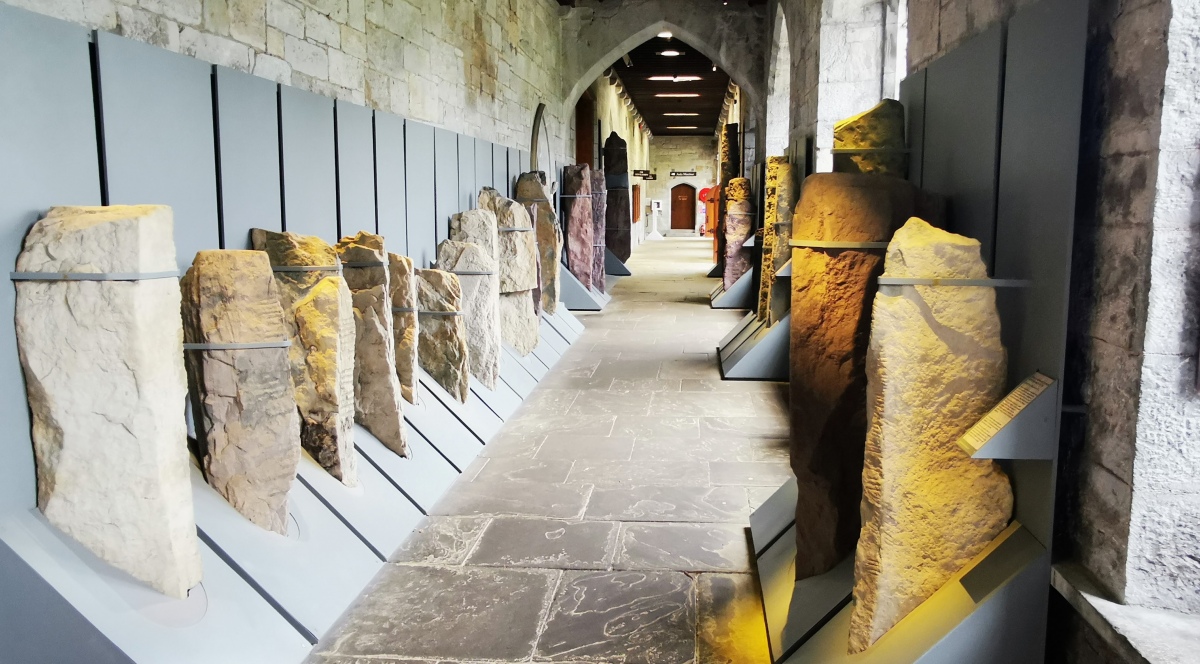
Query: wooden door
column 683, row 207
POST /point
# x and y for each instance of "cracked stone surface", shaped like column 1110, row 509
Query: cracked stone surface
column 405, row 323
column 606, row 522
column 517, row 250
column 577, row 217
column 739, row 222
column 442, row 342
column 320, row 313
column 880, row 127
column 532, row 190
column 476, row 272
column 103, row 365
column 599, row 211
column 247, row 425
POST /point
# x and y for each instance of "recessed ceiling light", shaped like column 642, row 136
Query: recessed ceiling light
column 714, row 67
column 677, row 94
column 670, row 53
column 674, row 79
column 666, row 34
column 682, row 115
column 681, row 127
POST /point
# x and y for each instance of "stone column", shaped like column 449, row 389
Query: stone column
column 377, row 391
column 405, row 324
column 599, row 210
column 618, row 225
column 320, row 313
column 518, row 270
column 934, row 367
column 476, row 272
column 247, row 426
column 739, row 226
column 443, row 336
column 577, row 220
column 532, row 190
column 831, row 289
column 103, row 365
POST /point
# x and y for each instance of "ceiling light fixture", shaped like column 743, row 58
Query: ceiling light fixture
column 670, row 53
column 682, row 115
column 714, row 67
column 681, row 127
column 666, row 34
column 674, row 79
column 677, row 94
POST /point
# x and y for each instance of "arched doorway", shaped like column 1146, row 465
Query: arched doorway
column 683, row 207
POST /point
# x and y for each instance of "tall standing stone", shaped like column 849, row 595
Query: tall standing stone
column 476, row 272
column 319, row 310
column 103, row 365
column 405, row 323
column 518, row 270
column 618, row 225
column 739, row 226
column 478, row 227
column 443, row 336
column 577, row 218
column 532, row 190
column 831, row 289
column 877, row 138
column 730, row 161
column 934, row 367
column 780, row 295
column 599, row 207
column 377, row 392
column 777, row 205
column 247, row 426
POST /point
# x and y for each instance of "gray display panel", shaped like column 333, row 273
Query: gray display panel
column 248, row 155
column 355, row 169
column 483, row 169
column 500, row 169
column 515, row 168
column 49, row 158
column 157, row 120
column 912, row 95
column 422, row 215
column 466, row 174
column 309, row 177
column 390, row 182
column 962, row 125
column 445, row 145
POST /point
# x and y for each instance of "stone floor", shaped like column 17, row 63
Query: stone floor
column 607, row 521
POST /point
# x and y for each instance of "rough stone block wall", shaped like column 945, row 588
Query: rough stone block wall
column 613, row 115
column 680, row 153
column 478, row 67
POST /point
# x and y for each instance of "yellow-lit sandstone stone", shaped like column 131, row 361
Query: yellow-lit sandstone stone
column 934, row 367
column 880, row 128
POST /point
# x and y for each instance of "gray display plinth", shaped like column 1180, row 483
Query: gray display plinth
column 551, row 336
column 423, row 477
column 575, row 297
column 503, row 401
column 563, row 327
column 763, row 355
column 613, row 265
column 740, row 295
column 475, row 415
column 516, row 374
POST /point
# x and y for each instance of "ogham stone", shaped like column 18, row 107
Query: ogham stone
column 405, row 323
column 739, row 225
column 517, row 251
column 777, row 190
column 247, row 426
column 479, row 227
column 442, row 340
column 319, row 310
column 935, row 365
column 599, row 207
column 879, row 132
column 476, row 272
column 729, row 161
column 577, row 218
column 779, row 296
column 532, row 190
column 519, row 326
column 377, row 392
column 618, row 225
column 103, row 365
column 830, row 325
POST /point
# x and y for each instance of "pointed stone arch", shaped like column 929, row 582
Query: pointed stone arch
column 777, row 128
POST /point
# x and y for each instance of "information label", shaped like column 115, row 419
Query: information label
column 1004, row 412
column 640, row 171
column 649, row 177
column 682, row 173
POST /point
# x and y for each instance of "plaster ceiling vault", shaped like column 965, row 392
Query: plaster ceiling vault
column 646, row 61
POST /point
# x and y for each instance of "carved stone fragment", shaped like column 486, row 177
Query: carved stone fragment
column 599, row 207
column 320, row 313
column 103, row 365
column 476, row 274
column 739, row 224
column 442, row 341
column 577, row 217
column 879, row 133
column 519, row 321
column 405, row 323
column 517, row 249
column 618, row 224
column 377, row 391
column 934, row 367
column 779, row 200
column 532, row 190
column 247, row 426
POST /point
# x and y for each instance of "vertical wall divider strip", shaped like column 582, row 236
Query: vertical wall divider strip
column 217, row 159
column 283, row 224
column 98, row 105
column 337, row 173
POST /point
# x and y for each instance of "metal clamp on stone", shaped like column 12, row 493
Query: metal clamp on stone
column 92, row 276
column 250, row 345
column 575, row 195
column 307, row 268
column 514, row 230
column 440, row 313
column 403, row 310
column 365, row 264
column 936, row 281
column 836, row 244
column 472, row 273
column 533, row 200
column 867, row 150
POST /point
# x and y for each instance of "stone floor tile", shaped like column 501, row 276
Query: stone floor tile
column 694, row 547
column 731, row 629
column 576, row 446
column 513, row 445
column 704, row 504
column 643, row 385
column 749, row 473
column 446, row 612
column 744, row 386
column 722, row 428
column 637, row 617
column 597, row 402
column 559, row 422
column 515, row 469
column 521, row 498
column 443, row 540
column 613, row 474
column 549, row 399
column 649, row 427
column 553, row 543
column 626, row 369
column 582, row 381
column 693, row 366
column 704, row 404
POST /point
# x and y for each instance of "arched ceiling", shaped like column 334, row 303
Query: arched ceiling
column 673, row 116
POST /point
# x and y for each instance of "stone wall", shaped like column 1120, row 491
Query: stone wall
column 478, row 67
column 613, row 115
column 680, row 153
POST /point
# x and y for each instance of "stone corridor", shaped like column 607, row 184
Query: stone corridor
column 606, row 522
